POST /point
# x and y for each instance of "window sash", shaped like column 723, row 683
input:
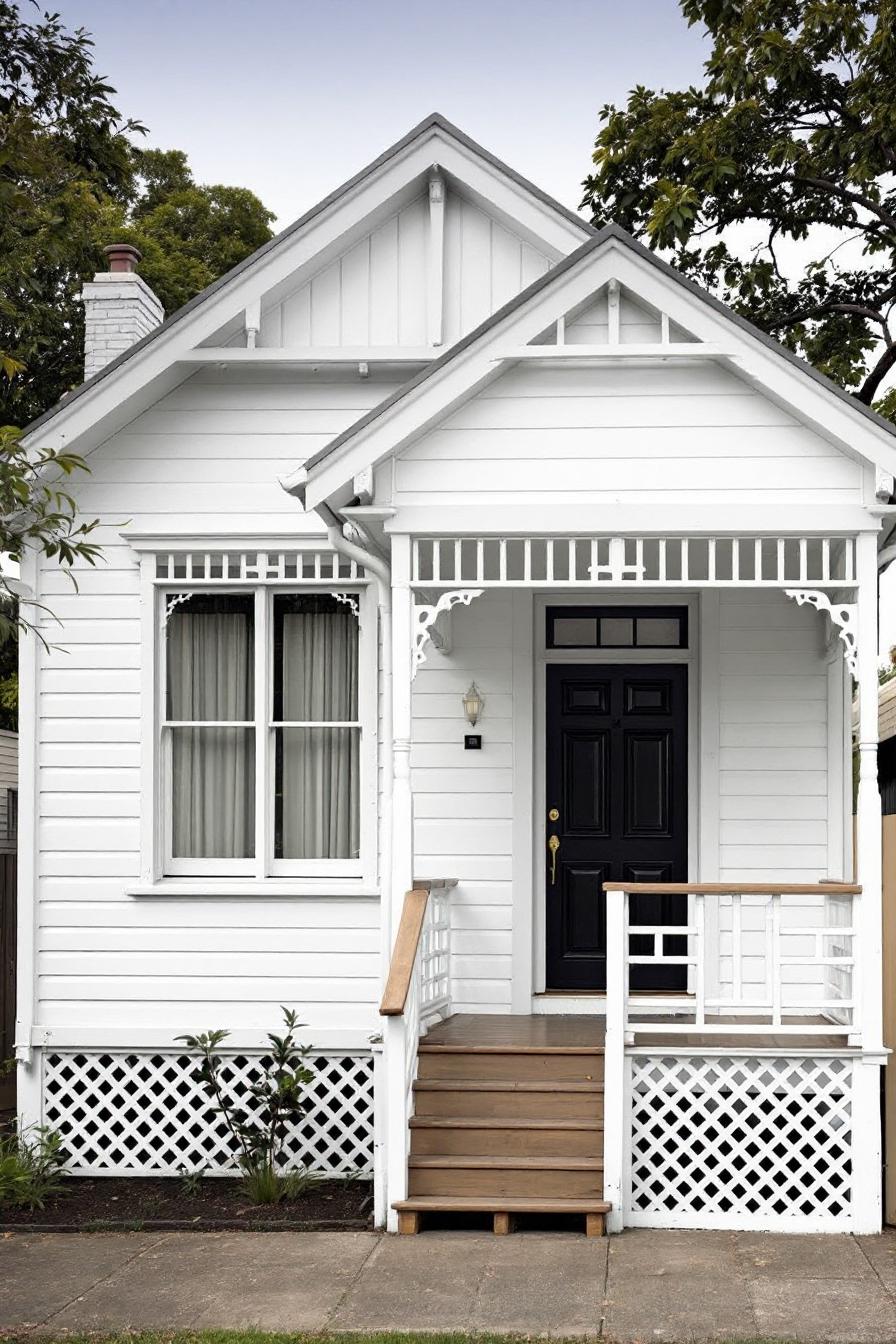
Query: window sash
column 263, row 864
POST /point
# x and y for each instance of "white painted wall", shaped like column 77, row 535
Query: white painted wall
column 205, row 459
column 670, row 435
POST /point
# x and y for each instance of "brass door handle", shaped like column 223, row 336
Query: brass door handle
column 553, row 846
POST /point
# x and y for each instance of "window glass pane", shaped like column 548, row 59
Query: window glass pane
column 315, row 659
column 317, row 812
column 616, row 632
column 210, row 658
column 213, row 793
column 655, row 632
column 575, row 632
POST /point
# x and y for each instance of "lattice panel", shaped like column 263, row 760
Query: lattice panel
column 726, row 1137
column 146, row 1114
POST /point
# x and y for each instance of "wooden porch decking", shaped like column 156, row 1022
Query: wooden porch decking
column 535, row 1031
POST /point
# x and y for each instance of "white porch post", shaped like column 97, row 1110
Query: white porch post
column 400, row 880
column 615, row 1100
column 866, row 1078
column 868, row 815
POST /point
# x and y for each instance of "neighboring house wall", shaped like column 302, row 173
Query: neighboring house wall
column 9, row 789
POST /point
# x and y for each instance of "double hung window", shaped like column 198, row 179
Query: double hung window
column 262, row 767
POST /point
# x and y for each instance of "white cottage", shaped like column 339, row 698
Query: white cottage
column 469, row 669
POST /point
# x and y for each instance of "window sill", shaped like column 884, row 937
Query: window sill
column 265, row 887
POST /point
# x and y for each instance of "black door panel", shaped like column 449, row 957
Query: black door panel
column 616, row 763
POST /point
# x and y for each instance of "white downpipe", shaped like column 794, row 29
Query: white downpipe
column 28, row 1084
column 380, row 571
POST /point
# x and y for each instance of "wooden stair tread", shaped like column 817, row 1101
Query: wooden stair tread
column 492, row 1122
column 501, row 1204
column 507, row 1163
column 502, row 1085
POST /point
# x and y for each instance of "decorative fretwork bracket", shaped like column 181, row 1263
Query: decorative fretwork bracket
column 351, row 602
column 425, row 617
column 175, row 601
column 843, row 615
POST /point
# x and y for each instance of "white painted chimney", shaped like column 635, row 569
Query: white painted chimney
column 119, row 309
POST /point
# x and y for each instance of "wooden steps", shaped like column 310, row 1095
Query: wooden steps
column 411, row 1211
column 506, row 1128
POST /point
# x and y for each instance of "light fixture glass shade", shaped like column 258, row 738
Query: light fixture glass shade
column 473, row 703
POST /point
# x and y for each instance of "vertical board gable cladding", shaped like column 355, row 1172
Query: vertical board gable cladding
column 375, row 294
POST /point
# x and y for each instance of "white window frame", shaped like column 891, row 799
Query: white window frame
column 159, row 870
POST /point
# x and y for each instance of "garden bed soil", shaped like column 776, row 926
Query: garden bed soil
column 131, row 1203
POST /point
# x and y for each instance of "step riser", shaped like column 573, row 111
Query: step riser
column 519, row 1068
column 519, row 1184
column 512, row 1105
column 507, row 1142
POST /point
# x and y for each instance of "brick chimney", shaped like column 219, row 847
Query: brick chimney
column 119, row 309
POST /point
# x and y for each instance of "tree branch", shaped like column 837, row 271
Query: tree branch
column 871, row 384
column 854, row 197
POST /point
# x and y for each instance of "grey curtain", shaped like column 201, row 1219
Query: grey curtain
column 210, row 677
column 319, row 767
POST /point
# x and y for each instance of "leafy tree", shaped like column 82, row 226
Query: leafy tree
column 72, row 180
column 791, row 138
column 189, row 235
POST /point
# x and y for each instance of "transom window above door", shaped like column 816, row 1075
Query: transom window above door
column 617, row 628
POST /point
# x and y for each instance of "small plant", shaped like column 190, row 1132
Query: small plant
column 190, row 1181
column 32, row 1164
column 275, row 1099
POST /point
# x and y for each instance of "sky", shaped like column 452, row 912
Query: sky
column 292, row 97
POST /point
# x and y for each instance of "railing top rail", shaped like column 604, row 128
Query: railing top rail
column 404, row 952
column 736, row 888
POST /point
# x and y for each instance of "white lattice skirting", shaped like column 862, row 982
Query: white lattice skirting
column 145, row 1114
column 739, row 1142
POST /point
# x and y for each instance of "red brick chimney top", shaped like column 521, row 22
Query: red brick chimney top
column 122, row 256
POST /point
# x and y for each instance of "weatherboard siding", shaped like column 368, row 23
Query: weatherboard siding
column 207, row 459
column 668, row 435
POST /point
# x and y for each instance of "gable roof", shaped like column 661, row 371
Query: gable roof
column 608, row 235
column 435, row 123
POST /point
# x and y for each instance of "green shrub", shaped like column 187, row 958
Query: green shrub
column 258, row 1126
column 32, row 1164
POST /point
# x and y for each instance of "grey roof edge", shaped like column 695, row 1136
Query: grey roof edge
column 601, row 236
column 433, row 121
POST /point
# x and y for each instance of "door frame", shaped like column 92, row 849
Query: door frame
column 529, row 770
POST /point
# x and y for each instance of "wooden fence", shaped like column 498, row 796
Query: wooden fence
column 7, row 973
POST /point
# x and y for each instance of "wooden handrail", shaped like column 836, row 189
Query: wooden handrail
column 736, row 888
column 404, row 952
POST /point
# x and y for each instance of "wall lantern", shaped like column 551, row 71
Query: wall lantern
column 473, row 704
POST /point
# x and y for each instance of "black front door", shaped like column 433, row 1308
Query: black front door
column 616, row 801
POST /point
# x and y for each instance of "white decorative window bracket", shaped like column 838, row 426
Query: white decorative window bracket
column 843, row 615
column 351, row 602
column 425, row 617
column 175, row 601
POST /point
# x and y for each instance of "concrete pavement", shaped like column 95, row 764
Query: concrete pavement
column 643, row 1285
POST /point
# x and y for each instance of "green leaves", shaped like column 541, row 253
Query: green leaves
column 32, row 1164
column 72, row 180
column 791, row 138
column 276, row 1097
